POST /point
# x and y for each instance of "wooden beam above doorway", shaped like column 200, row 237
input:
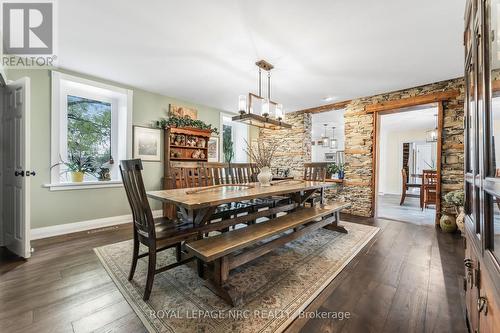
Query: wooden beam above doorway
column 412, row 101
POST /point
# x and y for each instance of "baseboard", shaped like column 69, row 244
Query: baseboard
column 68, row 228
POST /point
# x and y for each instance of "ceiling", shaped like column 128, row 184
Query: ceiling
column 422, row 119
column 204, row 51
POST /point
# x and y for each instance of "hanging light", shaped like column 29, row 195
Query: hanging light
column 278, row 112
column 265, row 113
column 325, row 139
column 333, row 141
column 432, row 135
column 265, row 108
column 242, row 104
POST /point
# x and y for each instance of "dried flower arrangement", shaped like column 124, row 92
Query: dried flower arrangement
column 261, row 152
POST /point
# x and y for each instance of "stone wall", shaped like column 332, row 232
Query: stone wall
column 294, row 145
column 359, row 144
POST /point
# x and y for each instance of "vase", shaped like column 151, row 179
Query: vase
column 447, row 223
column 77, row 176
column 460, row 219
column 264, row 177
column 341, row 174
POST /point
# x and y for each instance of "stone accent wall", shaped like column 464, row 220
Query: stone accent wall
column 359, row 144
column 294, row 145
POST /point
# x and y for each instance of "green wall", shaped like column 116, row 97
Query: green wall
column 50, row 208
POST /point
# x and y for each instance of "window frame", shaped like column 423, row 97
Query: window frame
column 121, row 100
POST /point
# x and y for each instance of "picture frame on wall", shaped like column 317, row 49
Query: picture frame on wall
column 213, row 149
column 183, row 111
column 147, row 143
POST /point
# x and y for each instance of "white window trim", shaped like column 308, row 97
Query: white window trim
column 58, row 133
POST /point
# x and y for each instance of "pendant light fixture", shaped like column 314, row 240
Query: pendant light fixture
column 333, row 141
column 259, row 110
column 325, row 140
column 431, row 135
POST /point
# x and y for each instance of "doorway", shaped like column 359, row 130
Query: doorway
column 15, row 168
column 407, row 164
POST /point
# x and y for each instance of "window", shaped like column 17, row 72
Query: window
column 234, row 135
column 91, row 126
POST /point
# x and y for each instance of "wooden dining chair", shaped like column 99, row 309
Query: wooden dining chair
column 315, row 172
column 157, row 234
column 407, row 186
column 429, row 188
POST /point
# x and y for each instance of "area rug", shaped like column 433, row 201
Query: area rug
column 277, row 287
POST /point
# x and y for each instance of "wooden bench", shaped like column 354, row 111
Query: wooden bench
column 235, row 248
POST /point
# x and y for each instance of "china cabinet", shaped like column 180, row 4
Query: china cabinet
column 482, row 165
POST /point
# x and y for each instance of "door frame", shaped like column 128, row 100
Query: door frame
column 396, row 108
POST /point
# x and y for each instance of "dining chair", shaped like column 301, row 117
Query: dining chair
column 407, row 186
column 157, row 234
column 315, row 172
column 429, row 188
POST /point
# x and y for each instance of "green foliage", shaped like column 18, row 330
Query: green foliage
column 227, row 144
column 173, row 121
column 455, row 198
column 89, row 130
column 332, row 168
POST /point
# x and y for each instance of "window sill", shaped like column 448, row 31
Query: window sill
column 83, row 185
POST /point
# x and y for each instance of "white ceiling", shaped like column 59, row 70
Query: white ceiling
column 204, row 51
column 422, row 119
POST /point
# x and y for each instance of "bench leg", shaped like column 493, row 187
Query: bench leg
column 216, row 283
column 335, row 225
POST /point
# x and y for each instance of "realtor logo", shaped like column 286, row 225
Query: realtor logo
column 27, row 28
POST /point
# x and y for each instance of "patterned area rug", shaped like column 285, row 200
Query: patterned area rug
column 276, row 287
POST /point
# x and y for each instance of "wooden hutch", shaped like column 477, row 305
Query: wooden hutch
column 183, row 145
column 482, row 165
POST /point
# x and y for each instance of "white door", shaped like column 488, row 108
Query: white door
column 424, row 158
column 16, row 168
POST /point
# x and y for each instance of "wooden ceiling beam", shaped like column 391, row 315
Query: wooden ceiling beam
column 412, row 101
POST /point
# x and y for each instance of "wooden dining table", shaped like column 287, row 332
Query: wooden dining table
column 197, row 205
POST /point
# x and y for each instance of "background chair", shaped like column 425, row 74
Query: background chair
column 407, row 186
column 429, row 185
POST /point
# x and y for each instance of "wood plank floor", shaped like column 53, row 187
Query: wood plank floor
column 408, row 279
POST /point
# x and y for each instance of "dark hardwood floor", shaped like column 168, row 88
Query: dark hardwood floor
column 408, row 279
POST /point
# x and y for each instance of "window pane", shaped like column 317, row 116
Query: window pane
column 89, row 129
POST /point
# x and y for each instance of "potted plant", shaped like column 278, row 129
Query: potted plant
column 332, row 169
column 262, row 154
column 340, row 171
column 77, row 166
column 456, row 199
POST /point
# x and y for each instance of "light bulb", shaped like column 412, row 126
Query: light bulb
column 265, row 108
column 242, row 104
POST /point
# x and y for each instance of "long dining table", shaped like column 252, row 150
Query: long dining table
column 198, row 205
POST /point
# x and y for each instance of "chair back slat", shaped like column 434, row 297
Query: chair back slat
column 315, row 171
column 131, row 171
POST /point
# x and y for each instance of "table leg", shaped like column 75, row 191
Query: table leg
column 335, row 225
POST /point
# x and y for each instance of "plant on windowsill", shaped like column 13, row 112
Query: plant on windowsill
column 181, row 122
column 77, row 166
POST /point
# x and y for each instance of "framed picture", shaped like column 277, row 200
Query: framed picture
column 182, row 111
column 213, row 149
column 147, row 143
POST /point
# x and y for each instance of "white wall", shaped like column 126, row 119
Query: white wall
column 390, row 158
